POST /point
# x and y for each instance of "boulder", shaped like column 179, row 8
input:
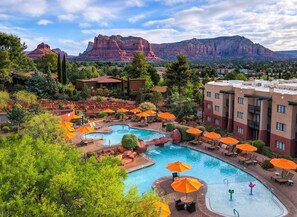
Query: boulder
column 121, row 149
column 176, row 136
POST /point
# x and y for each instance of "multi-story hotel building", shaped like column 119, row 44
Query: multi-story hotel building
column 265, row 110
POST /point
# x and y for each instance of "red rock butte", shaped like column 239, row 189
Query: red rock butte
column 41, row 50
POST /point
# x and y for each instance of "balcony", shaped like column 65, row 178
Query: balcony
column 254, row 109
column 253, row 124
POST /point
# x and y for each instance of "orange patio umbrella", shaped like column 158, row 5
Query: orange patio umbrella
column 66, row 124
column 136, row 110
column 108, row 111
column 166, row 115
column 75, row 116
column 150, row 111
column 229, row 140
column 284, row 163
column 70, row 129
column 69, row 136
column 246, row 147
column 85, row 129
column 122, row 110
column 178, row 166
column 194, row 131
column 212, row 135
column 142, row 114
column 186, row 185
column 162, row 209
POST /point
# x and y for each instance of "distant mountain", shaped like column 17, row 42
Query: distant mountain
column 221, row 48
column 59, row 51
column 288, row 53
column 117, row 48
column 41, row 50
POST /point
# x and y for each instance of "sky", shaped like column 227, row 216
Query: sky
column 70, row 24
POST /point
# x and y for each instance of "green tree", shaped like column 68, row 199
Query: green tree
column 59, row 69
column 47, row 61
column 241, row 76
column 178, row 73
column 5, row 67
column 155, row 77
column 147, row 106
column 39, row 178
column 4, row 99
column 138, row 68
column 85, row 92
column 156, row 97
column 64, row 71
column 16, row 116
column 25, row 97
column 129, row 141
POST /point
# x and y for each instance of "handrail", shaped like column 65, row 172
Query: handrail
column 226, row 180
column 236, row 213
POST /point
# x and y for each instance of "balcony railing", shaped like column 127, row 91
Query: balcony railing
column 253, row 124
column 254, row 109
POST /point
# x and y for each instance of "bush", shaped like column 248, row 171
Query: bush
column 170, row 127
column 129, row 141
column 288, row 157
column 259, row 144
column 185, row 136
column 5, row 129
column 91, row 154
column 117, row 115
column 202, row 128
column 267, row 152
column 208, row 128
column 146, row 106
column 267, row 165
column 102, row 114
column 99, row 98
column 61, row 105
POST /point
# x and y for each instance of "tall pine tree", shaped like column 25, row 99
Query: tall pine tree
column 64, row 71
column 59, row 69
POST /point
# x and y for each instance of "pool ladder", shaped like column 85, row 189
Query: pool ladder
column 226, row 181
column 236, row 213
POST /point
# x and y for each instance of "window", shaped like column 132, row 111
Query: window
column 281, row 109
column 240, row 100
column 217, row 95
column 217, row 108
column 258, row 102
column 240, row 130
column 280, row 145
column 217, row 121
column 208, row 118
column 280, row 126
column 208, row 106
column 208, row 94
column 240, row 115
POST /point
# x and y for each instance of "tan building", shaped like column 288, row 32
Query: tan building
column 265, row 110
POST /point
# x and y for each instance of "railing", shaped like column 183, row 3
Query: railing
column 226, row 181
column 236, row 213
column 253, row 124
column 253, row 109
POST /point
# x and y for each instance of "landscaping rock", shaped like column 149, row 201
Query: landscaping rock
column 176, row 136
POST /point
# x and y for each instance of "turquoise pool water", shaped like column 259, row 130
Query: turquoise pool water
column 119, row 130
column 213, row 171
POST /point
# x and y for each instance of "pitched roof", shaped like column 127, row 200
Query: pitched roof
column 103, row 79
column 161, row 89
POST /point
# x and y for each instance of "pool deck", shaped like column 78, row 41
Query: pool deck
column 286, row 194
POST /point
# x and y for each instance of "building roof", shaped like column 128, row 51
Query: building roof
column 161, row 89
column 103, row 79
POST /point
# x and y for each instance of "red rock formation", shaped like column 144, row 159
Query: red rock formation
column 117, row 48
column 40, row 51
column 176, row 136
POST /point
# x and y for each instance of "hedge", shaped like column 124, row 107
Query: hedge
column 170, row 127
column 185, row 136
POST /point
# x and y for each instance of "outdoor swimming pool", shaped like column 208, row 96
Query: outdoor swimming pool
column 213, row 171
column 119, row 130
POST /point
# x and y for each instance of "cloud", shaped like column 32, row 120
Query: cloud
column 30, row 7
column 137, row 3
column 136, row 18
column 98, row 14
column 44, row 22
column 67, row 17
column 84, row 25
column 73, row 6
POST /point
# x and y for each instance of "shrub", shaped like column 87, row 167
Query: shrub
column 208, row 128
column 170, row 127
column 117, row 115
column 61, row 105
column 288, row 157
column 99, row 98
column 267, row 165
column 267, row 151
column 5, row 129
column 201, row 128
column 91, row 154
column 102, row 114
column 146, row 106
column 129, row 141
column 185, row 136
column 259, row 144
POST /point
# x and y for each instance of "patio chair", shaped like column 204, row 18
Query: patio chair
column 288, row 177
column 174, row 175
column 232, row 152
column 214, row 146
column 252, row 160
column 195, row 142
column 94, row 125
column 191, row 207
column 282, row 175
column 179, row 205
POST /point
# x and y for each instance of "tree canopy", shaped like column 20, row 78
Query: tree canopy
column 4, row 99
column 49, row 61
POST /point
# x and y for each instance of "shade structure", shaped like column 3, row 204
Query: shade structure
column 143, row 114
column 69, row 136
column 122, row 110
column 166, row 115
column 150, row 111
column 75, row 116
column 85, row 129
column 229, row 140
column 162, row 209
column 108, row 111
column 246, row 147
column 186, row 185
column 284, row 163
column 70, row 129
column 136, row 110
column 178, row 166
column 212, row 135
column 66, row 124
column 194, row 131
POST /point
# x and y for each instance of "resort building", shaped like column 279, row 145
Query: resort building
column 265, row 110
column 112, row 83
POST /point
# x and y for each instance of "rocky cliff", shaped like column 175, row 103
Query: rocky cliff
column 61, row 52
column 234, row 47
column 40, row 51
column 117, row 48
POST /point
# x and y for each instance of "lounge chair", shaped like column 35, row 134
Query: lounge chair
column 191, row 207
column 87, row 141
column 252, row 160
column 232, row 152
column 179, row 205
column 288, row 177
column 213, row 146
column 94, row 125
column 195, row 142
column 277, row 176
column 174, row 175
